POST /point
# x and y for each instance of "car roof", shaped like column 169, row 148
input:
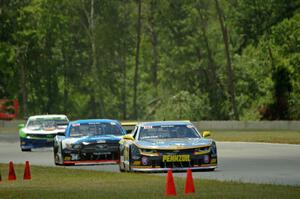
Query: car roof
column 47, row 116
column 94, row 121
column 159, row 123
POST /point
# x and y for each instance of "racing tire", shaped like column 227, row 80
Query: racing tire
column 211, row 169
column 120, row 169
column 57, row 159
column 26, row 150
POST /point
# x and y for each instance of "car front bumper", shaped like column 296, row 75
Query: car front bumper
column 151, row 169
column 27, row 143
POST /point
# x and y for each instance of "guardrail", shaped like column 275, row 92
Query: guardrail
column 217, row 125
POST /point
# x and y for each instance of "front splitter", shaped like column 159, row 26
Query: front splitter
column 173, row 169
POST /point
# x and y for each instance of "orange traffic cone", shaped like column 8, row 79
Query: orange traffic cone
column 27, row 175
column 170, row 186
column 11, row 174
column 189, row 183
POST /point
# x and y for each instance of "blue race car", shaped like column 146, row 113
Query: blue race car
column 93, row 141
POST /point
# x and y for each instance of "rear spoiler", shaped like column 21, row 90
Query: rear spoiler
column 129, row 125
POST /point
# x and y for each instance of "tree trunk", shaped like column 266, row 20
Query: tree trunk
column 96, row 86
column 137, row 56
column 154, row 43
column 122, row 65
column 66, row 82
column 214, row 96
column 230, row 72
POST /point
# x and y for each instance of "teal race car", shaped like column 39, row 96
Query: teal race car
column 158, row 146
column 40, row 131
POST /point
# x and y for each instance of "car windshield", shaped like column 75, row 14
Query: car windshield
column 47, row 123
column 168, row 132
column 95, row 129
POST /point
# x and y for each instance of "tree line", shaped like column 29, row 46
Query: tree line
column 152, row 59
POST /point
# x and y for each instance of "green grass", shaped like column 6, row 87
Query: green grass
column 288, row 137
column 57, row 183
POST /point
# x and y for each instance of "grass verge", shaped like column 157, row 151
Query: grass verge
column 56, row 183
column 287, row 137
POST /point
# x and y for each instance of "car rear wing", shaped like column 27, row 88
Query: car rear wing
column 129, row 125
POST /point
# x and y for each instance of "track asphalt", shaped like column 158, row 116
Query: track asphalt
column 238, row 161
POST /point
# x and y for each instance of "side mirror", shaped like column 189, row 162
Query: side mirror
column 206, row 133
column 128, row 137
column 21, row 126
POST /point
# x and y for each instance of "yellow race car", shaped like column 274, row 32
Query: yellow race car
column 158, row 146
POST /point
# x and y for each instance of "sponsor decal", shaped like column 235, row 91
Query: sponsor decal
column 176, row 158
column 206, row 159
column 189, row 126
column 67, row 158
column 75, row 124
column 144, row 160
column 147, row 127
column 213, row 161
column 101, row 141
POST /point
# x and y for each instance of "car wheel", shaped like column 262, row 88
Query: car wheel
column 26, row 150
column 56, row 159
column 120, row 168
column 210, row 169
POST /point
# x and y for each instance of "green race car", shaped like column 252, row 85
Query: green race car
column 40, row 131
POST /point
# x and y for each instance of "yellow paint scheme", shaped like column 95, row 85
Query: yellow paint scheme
column 127, row 137
column 128, row 123
column 176, row 158
column 202, row 152
column 174, row 148
column 136, row 163
column 149, row 154
column 67, row 158
column 206, row 133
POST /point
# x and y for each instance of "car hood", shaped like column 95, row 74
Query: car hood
column 42, row 131
column 94, row 139
column 173, row 143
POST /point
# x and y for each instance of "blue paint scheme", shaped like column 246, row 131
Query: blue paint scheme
column 94, row 121
column 107, row 138
column 35, row 143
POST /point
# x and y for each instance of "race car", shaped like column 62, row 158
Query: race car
column 158, row 146
column 89, row 142
column 40, row 130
